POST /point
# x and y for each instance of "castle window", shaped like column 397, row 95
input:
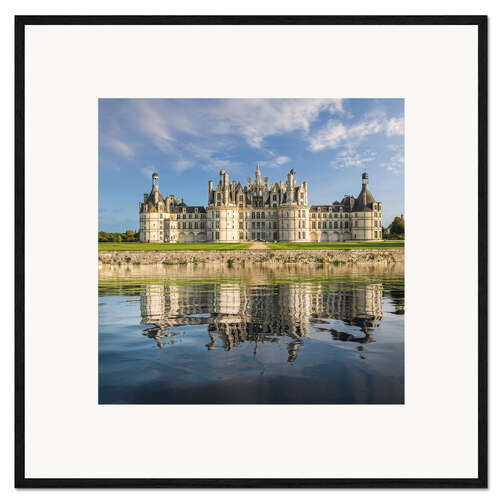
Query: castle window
column 314, row 225
column 355, row 223
column 217, row 236
column 335, row 225
column 330, row 224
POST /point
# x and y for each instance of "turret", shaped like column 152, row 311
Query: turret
column 257, row 175
column 155, row 186
column 210, row 191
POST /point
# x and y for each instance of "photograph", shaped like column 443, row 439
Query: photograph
column 232, row 194
column 251, row 251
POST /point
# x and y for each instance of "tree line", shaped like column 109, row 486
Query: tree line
column 128, row 236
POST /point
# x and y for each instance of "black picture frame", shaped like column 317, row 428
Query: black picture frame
column 21, row 481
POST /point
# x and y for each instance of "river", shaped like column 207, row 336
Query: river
column 251, row 335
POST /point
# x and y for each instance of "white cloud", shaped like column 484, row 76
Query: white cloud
column 334, row 133
column 349, row 157
column 119, row 146
column 395, row 126
column 395, row 163
column 153, row 123
column 278, row 161
column 201, row 133
column 162, row 121
column 281, row 160
column 328, row 137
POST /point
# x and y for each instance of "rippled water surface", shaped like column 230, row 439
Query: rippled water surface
column 296, row 335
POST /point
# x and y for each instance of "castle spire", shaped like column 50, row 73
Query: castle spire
column 257, row 175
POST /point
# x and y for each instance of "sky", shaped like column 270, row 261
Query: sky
column 329, row 142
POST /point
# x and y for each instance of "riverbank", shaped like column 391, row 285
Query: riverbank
column 243, row 257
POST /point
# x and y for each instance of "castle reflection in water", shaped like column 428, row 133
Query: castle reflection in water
column 237, row 313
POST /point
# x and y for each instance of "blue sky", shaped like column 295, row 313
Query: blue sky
column 329, row 142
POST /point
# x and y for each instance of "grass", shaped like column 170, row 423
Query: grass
column 148, row 247
column 347, row 245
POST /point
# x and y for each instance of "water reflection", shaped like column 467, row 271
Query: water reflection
column 308, row 335
column 235, row 313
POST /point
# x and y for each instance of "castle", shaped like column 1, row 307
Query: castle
column 259, row 211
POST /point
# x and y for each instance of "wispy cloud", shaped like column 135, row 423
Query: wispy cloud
column 118, row 146
column 395, row 126
column 395, row 163
column 335, row 133
column 197, row 132
column 277, row 161
column 349, row 157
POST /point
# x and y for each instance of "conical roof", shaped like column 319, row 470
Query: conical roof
column 364, row 200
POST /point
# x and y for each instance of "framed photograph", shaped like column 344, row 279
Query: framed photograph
column 251, row 251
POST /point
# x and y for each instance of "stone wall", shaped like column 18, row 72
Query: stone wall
column 273, row 257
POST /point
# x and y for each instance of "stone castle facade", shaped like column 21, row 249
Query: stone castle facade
column 259, row 211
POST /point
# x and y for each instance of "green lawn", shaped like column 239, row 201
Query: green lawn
column 348, row 245
column 134, row 247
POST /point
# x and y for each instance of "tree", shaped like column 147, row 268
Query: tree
column 398, row 225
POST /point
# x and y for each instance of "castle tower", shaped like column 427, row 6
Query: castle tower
column 365, row 218
column 150, row 221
